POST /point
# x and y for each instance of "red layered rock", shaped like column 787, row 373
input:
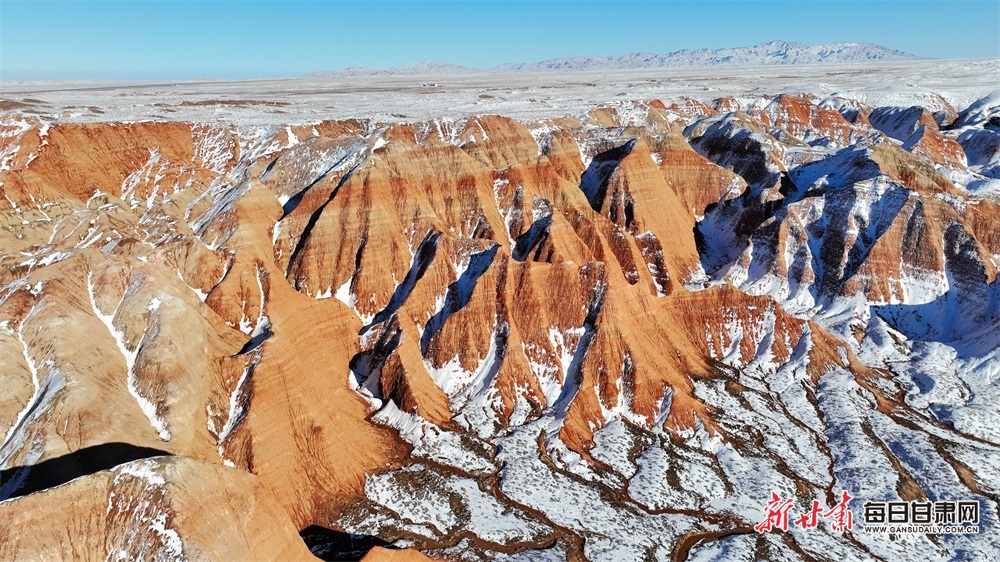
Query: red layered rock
column 936, row 147
column 806, row 120
column 291, row 316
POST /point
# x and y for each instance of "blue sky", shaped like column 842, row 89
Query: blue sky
column 181, row 39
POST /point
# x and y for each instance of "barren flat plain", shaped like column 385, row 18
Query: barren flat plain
column 519, row 96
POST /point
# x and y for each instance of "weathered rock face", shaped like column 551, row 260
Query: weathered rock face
column 483, row 336
column 157, row 508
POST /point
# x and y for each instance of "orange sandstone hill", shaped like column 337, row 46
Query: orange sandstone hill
column 606, row 337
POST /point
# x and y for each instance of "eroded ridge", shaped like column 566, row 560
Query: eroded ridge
column 608, row 336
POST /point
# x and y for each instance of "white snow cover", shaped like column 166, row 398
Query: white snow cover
column 903, row 83
column 130, row 356
column 435, row 443
column 146, row 512
column 47, row 380
column 425, row 495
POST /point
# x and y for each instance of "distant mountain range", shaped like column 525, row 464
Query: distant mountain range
column 774, row 53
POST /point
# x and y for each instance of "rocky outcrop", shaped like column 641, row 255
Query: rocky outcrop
column 156, row 508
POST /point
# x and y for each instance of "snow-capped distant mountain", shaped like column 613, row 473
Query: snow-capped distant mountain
column 764, row 54
column 429, row 68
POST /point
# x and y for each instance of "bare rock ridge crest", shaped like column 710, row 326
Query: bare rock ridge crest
column 764, row 54
column 604, row 336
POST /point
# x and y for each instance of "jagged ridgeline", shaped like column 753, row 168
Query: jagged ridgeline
column 608, row 336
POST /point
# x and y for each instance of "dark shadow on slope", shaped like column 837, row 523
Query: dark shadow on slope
column 422, row 259
column 765, row 244
column 476, row 392
column 531, row 243
column 341, row 158
column 730, row 146
column 483, row 381
column 835, row 256
column 311, row 224
column 981, row 146
column 500, row 341
column 844, row 167
column 366, row 366
column 594, row 182
column 896, row 122
column 882, row 215
column 327, row 544
column 267, row 171
column 574, row 375
column 260, row 335
column 459, row 293
column 24, row 480
column 725, row 229
column 786, row 187
column 834, row 179
column 967, row 316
